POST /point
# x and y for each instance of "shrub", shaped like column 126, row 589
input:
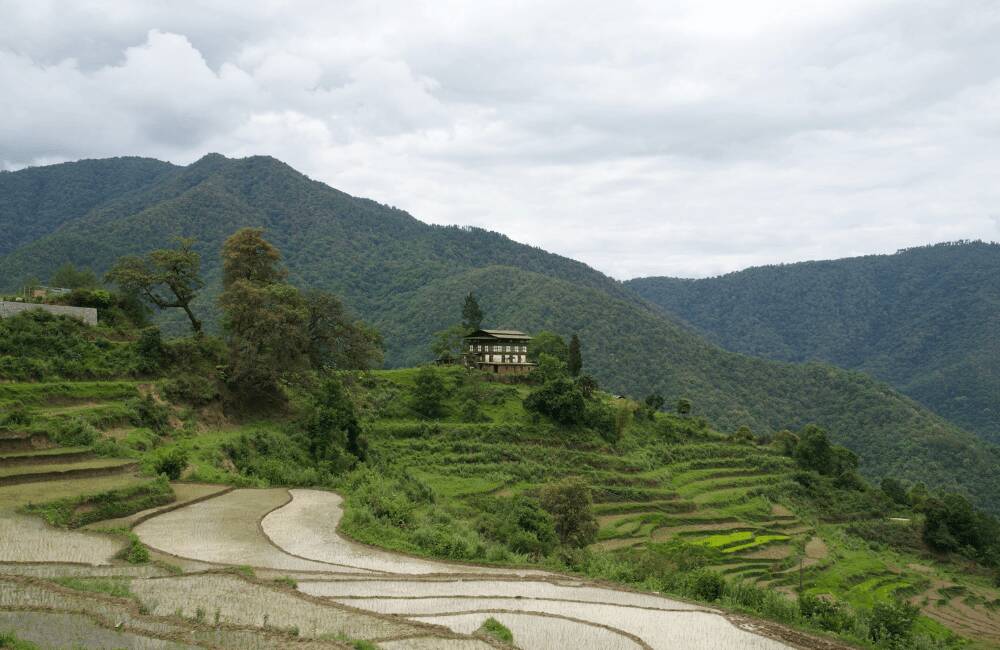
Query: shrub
column 497, row 630
column 706, row 585
column 172, row 463
column 17, row 415
column 74, row 433
column 558, row 399
column 150, row 349
column 520, row 524
column 825, row 613
column 136, row 552
column 429, row 392
column 151, row 414
column 892, row 622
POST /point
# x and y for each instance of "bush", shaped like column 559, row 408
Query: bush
column 151, row 414
column 429, row 392
column 172, row 463
column 520, row 524
column 150, row 349
column 825, row 613
column 892, row 622
column 497, row 630
column 74, row 433
column 706, row 585
column 17, row 415
column 558, row 399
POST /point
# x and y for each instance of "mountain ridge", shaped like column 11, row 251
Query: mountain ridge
column 925, row 319
column 407, row 278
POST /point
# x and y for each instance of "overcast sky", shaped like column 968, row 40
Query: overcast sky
column 656, row 138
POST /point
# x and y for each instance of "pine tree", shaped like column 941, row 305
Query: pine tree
column 472, row 315
column 574, row 361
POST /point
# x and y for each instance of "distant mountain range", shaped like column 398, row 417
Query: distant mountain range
column 926, row 320
column 409, row 278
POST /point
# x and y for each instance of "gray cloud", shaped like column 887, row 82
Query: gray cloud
column 691, row 140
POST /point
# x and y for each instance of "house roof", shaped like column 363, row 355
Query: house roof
column 499, row 334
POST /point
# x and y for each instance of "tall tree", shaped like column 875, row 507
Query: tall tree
column 68, row 276
column 546, row 342
column 247, row 256
column 337, row 340
column 168, row 278
column 569, row 502
column 447, row 344
column 574, row 361
column 472, row 315
column 266, row 320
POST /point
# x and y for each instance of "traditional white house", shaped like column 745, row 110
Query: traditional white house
column 503, row 352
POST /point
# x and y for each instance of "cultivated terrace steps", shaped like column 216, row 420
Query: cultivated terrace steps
column 30, row 462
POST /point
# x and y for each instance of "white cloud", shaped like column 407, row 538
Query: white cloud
column 691, row 139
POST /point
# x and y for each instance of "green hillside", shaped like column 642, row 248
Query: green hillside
column 36, row 201
column 677, row 507
column 407, row 278
column 926, row 320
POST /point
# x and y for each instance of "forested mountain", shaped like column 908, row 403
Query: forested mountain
column 36, row 201
column 409, row 279
column 926, row 320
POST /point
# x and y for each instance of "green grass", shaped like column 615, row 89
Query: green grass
column 10, row 640
column 73, row 512
column 494, row 628
column 99, row 463
column 117, row 587
column 41, row 393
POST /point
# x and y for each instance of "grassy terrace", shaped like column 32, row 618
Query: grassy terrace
column 665, row 482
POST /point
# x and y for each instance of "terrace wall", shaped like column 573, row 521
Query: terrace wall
column 87, row 314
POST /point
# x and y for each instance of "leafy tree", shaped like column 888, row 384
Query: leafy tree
column 336, row 339
column 549, row 367
column 550, row 343
column 743, row 436
column 332, row 424
column 814, row 450
column 786, row 442
column 569, row 502
column 587, row 385
column 574, row 360
column 265, row 321
column 558, row 399
column 684, row 406
column 68, row 276
column 429, row 393
column 447, row 345
column 654, row 401
column 520, row 523
column 167, row 278
column 248, row 257
column 472, row 315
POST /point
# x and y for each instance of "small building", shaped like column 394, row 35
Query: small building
column 502, row 352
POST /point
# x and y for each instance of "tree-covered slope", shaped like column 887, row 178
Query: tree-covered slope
column 926, row 320
column 408, row 278
column 36, row 201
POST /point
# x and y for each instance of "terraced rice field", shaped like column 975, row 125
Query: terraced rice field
column 531, row 631
column 346, row 591
column 307, row 527
column 226, row 530
column 544, row 608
